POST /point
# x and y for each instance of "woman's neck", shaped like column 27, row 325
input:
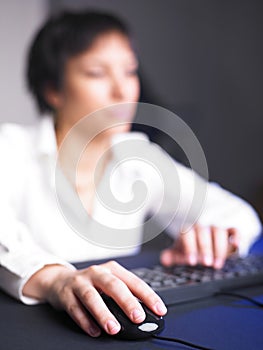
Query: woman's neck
column 83, row 161
column 91, row 149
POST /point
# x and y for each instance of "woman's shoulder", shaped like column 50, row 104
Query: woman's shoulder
column 12, row 136
column 18, row 139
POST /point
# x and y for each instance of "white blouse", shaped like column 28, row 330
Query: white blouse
column 40, row 225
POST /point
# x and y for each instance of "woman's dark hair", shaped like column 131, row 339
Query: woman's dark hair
column 61, row 38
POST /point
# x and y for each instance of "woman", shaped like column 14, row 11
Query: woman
column 80, row 63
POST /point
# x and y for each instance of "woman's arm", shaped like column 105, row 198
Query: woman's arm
column 227, row 224
column 206, row 221
column 33, row 275
column 78, row 293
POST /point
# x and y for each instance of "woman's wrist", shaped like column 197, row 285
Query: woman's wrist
column 41, row 282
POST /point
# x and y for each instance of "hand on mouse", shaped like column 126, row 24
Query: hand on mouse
column 79, row 291
column 209, row 246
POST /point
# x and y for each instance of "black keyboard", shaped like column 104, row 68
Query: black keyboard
column 184, row 283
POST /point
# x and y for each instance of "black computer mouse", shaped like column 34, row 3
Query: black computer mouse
column 152, row 324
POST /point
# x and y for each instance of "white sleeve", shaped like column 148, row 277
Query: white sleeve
column 20, row 255
column 202, row 202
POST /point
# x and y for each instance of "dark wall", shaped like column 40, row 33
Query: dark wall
column 203, row 60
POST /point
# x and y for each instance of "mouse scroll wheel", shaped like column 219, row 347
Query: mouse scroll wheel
column 148, row 327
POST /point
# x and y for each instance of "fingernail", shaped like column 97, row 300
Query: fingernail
column 138, row 315
column 112, row 327
column 192, row 260
column 218, row 263
column 208, row 260
column 94, row 331
column 160, row 308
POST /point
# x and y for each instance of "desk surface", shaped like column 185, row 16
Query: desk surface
column 218, row 323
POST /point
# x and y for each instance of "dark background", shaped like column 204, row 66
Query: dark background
column 202, row 59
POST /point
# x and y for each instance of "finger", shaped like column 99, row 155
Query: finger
column 78, row 313
column 118, row 290
column 220, row 246
column 138, row 288
column 93, row 302
column 189, row 247
column 184, row 251
column 205, row 245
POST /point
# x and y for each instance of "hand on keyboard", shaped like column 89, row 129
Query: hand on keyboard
column 209, row 246
column 182, row 283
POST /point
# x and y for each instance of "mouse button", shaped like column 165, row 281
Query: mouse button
column 152, row 319
column 132, row 332
column 148, row 327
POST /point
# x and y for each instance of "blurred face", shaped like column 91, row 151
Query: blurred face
column 104, row 75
